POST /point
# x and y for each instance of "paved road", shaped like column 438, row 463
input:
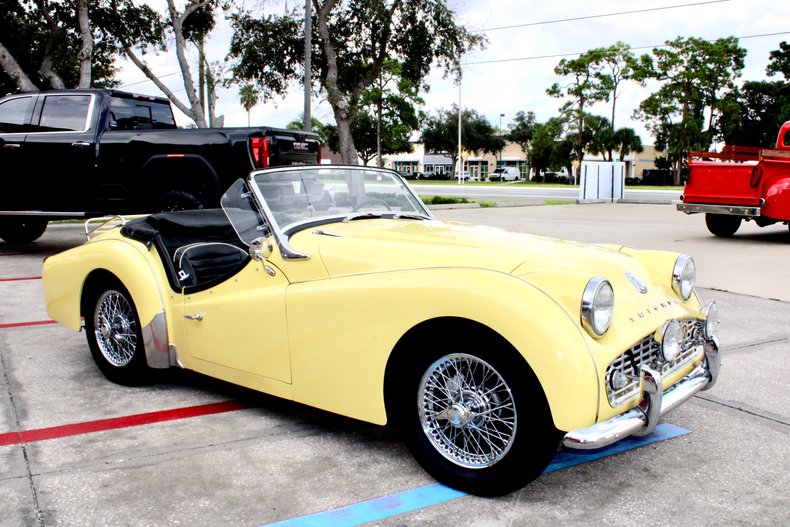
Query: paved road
column 258, row 460
column 509, row 192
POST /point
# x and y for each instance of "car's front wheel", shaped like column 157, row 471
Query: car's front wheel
column 114, row 335
column 478, row 421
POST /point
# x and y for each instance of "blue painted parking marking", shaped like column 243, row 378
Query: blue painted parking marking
column 410, row 500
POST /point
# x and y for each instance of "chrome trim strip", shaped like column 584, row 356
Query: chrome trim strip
column 157, row 349
column 640, row 421
column 42, row 213
column 732, row 210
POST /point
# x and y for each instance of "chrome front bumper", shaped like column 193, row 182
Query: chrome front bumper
column 642, row 421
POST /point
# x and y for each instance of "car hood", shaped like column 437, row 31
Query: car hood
column 368, row 246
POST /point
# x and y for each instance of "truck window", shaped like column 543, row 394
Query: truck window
column 14, row 114
column 131, row 114
column 65, row 113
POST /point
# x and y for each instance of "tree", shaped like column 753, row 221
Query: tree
column 750, row 115
column 352, row 40
column 544, row 152
column 626, row 141
column 695, row 75
column 599, row 137
column 617, row 64
column 522, row 131
column 65, row 44
column 440, row 133
column 780, row 61
column 249, row 96
column 583, row 88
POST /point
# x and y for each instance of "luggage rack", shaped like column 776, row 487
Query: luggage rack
column 106, row 223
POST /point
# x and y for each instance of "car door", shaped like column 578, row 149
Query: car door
column 14, row 170
column 63, row 148
column 241, row 324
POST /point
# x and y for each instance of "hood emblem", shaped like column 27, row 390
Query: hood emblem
column 639, row 285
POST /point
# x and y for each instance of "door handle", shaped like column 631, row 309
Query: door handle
column 11, row 145
column 196, row 316
column 80, row 143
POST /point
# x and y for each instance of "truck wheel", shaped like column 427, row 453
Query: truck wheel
column 723, row 225
column 174, row 200
column 21, row 229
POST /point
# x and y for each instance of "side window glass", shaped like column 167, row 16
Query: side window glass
column 127, row 114
column 65, row 113
column 14, row 113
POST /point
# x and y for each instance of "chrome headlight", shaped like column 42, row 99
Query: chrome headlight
column 597, row 306
column 670, row 338
column 711, row 314
column 684, row 277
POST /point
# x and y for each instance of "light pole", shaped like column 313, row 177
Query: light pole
column 501, row 140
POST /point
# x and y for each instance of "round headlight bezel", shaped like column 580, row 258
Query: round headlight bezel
column 684, row 277
column 597, row 309
column 670, row 339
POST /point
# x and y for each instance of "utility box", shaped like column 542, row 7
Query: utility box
column 602, row 180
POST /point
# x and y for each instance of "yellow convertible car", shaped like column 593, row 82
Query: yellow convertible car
column 335, row 287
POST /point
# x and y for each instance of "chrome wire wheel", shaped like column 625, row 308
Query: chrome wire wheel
column 115, row 327
column 467, row 411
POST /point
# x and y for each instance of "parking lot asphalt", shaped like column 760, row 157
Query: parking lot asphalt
column 76, row 449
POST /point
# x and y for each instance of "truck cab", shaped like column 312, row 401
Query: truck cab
column 740, row 183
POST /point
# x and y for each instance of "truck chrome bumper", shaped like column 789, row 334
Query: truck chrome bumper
column 731, row 210
column 642, row 421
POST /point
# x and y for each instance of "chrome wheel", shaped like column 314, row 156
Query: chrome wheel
column 115, row 328
column 467, row 411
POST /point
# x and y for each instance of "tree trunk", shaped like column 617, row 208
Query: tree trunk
column 196, row 113
column 14, row 70
column 85, row 55
column 340, row 106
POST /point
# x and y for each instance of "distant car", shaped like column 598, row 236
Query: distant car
column 337, row 288
column 505, row 174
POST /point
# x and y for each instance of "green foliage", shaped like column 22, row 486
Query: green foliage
column 549, row 150
column 440, row 133
column 359, row 37
column 523, row 130
column 444, row 200
column 325, row 132
column 695, row 75
column 780, row 61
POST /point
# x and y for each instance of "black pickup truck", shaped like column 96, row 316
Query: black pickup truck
column 87, row 153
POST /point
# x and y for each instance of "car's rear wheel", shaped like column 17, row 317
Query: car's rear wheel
column 21, row 229
column 724, row 225
column 477, row 420
column 114, row 335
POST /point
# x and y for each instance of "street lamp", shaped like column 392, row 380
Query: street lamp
column 501, row 140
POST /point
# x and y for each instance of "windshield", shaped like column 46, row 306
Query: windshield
column 295, row 196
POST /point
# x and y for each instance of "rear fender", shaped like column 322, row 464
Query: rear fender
column 67, row 274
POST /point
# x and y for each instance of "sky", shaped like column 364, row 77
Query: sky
column 517, row 66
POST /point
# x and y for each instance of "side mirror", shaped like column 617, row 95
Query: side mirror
column 260, row 249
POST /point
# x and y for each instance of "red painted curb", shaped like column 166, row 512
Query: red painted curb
column 27, row 324
column 88, row 427
column 20, row 279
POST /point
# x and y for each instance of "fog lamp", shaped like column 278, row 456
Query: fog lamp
column 711, row 314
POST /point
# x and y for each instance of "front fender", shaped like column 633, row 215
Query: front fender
column 343, row 330
column 65, row 276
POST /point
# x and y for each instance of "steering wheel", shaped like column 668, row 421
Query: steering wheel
column 371, row 201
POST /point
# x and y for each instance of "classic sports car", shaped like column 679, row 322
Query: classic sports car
column 335, row 287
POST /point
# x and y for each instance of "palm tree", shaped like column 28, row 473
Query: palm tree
column 249, row 96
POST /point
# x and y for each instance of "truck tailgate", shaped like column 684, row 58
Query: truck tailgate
column 722, row 183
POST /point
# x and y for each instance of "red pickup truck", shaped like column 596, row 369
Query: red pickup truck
column 740, row 183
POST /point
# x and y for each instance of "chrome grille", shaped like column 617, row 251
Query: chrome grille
column 646, row 351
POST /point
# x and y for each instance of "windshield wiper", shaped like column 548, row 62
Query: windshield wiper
column 409, row 216
column 362, row 216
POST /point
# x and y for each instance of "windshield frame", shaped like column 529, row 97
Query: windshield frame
column 282, row 234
